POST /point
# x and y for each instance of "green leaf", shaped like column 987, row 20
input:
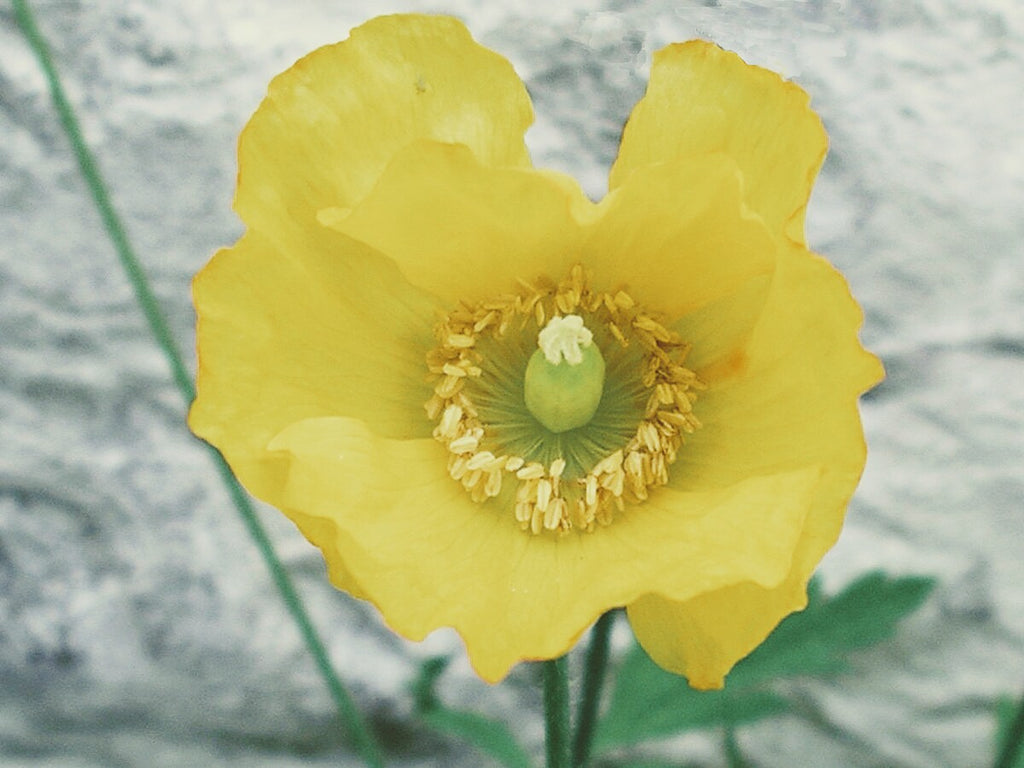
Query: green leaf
column 648, row 702
column 817, row 640
column 491, row 737
column 1006, row 711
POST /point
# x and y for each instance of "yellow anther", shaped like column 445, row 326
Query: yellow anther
column 543, row 494
column 480, row 460
column 557, row 467
column 531, row 471
column 464, row 444
column 481, row 452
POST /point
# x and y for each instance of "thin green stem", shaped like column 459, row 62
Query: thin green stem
column 1011, row 745
column 590, row 696
column 733, row 755
column 556, row 712
column 732, row 748
column 126, row 254
column 359, row 733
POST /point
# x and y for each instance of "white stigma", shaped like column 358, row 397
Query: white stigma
column 565, row 337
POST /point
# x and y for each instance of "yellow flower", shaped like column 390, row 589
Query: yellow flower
column 686, row 438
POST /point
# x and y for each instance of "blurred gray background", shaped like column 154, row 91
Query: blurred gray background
column 138, row 626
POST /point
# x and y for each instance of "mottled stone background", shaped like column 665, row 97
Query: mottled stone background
column 138, row 626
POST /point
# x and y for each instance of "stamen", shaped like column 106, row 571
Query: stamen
column 464, row 444
column 553, row 488
column 449, row 421
column 531, row 471
column 480, row 460
column 513, row 463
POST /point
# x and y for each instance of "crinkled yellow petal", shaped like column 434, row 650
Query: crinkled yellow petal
column 703, row 99
column 328, row 328
column 704, row 637
column 463, row 230
column 331, row 123
column 428, row 556
column 786, row 399
column 680, row 236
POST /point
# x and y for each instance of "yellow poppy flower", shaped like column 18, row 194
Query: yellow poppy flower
column 497, row 406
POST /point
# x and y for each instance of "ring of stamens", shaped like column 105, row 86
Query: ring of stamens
column 544, row 498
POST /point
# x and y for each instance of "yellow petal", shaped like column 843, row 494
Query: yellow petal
column 788, row 397
column 679, row 234
column 331, row 123
column 461, row 229
column 320, row 529
column 704, row 637
column 719, row 331
column 428, row 557
column 329, row 328
column 703, row 99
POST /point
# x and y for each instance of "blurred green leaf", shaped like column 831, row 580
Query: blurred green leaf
column 1006, row 712
column 817, row 640
column 648, row 702
column 491, row 737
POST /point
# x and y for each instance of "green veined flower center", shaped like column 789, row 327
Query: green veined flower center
column 564, row 421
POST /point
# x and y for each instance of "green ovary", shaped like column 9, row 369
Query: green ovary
column 513, row 428
column 564, row 395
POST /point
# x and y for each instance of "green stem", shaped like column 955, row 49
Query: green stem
column 1012, row 740
column 733, row 756
column 129, row 262
column 593, row 681
column 556, row 712
column 360, row 734
column 732, row 748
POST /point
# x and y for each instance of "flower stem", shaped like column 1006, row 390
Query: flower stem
column 593, row 681
column 361, row 736
column 1010, row 747
column 556, row 712
column 733, row 755
column 732, row 748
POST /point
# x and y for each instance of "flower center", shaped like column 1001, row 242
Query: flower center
column 565, row 377
column 559, row 402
